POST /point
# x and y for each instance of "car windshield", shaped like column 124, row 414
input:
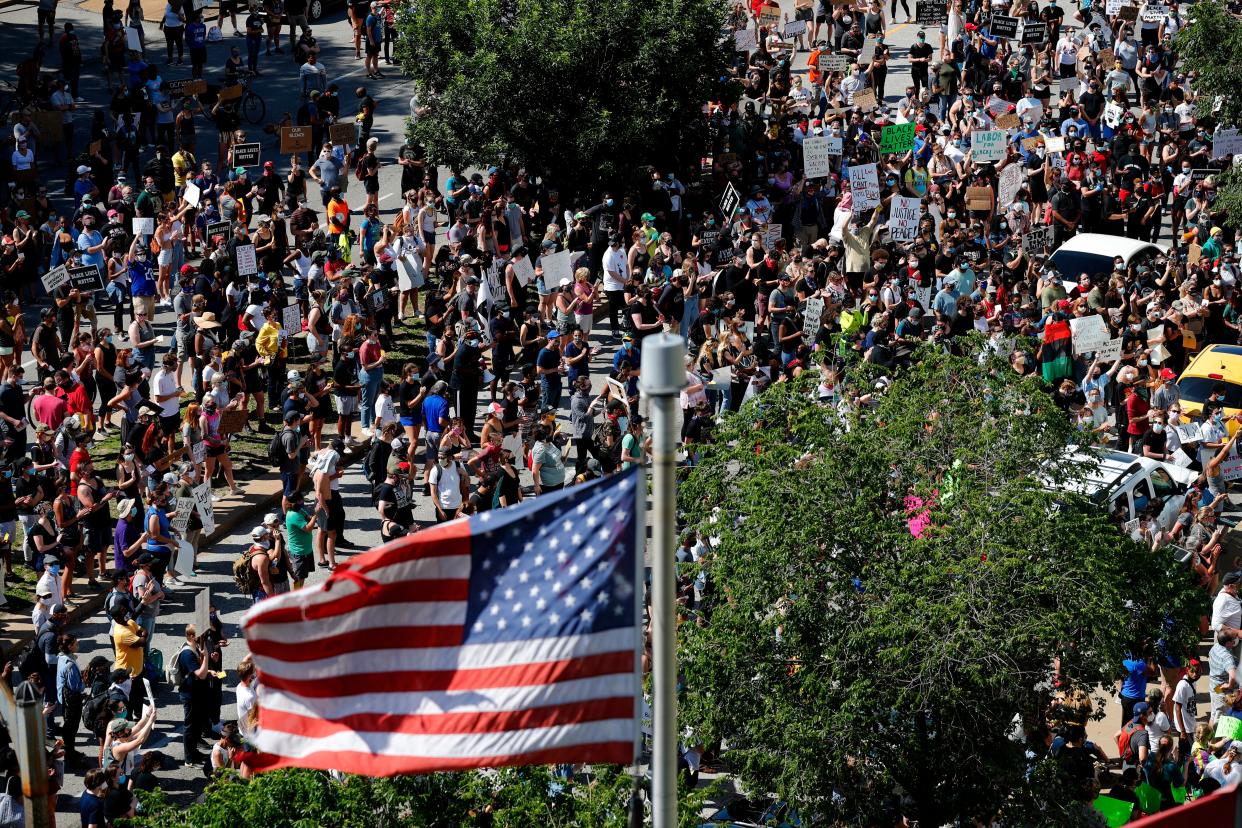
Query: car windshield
column 1071, row 264
column 1198, row 389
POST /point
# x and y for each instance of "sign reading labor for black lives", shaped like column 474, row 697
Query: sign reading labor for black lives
column 247, row 155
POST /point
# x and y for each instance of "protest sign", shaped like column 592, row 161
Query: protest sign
column 1008, row 121
column 1193, row 254
column 1032, row 144
column 897, row 138
column 291, row 318
column 1110, row 351
column 979, row 198
column 772, row 234
column 247, row 263
column 198, row 452
column 186, row 87
column 1004, row 26
column 247, row 155
column 811, row 316
column 794, row 28
column 867, row 53
column 1088, row 333
column 865, row 184
column 557, row 268
column 832, row 63
column 85, row 277
column 1154, row 12
column 1158, row 352
column 54, row 278
column 1128, row 12
column 1228, row 727
column 1067, row 86
column 218, row 228
column 1111, row 7
column 202, row 502
column 1231, row 469
column 1226, row 142
column 769, row 16
column 230, row 93
column 864, row 99
column 745, row 40
column 295, row 139
column 143, row 226
column 1037, row 240
column 1189, row 432
column 835, row 146
column 1033, row 34
column 133, row 39
column 192, row 194
column 729, row 201
column 342, row 134
column 931, row 13
column 1054, row 143
column 987, row 145
column 816, row 159
column 182, row 521
column 903, row 218
column 524, row 270
column 1010, row 183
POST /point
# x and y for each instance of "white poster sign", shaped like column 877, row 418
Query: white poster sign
column 817, row 156
column 1010, row 183
column 55, row 278
column 987, row 145
column 524, row 270
column 247, row 263
column 202, row 502
column 1088, row 333
column 143, row 226
column 903, row 218
column 291, row 319
column 557, row 267
column 1110, row 351
column 811, row 316
column 1226, row 142
column 191, row 194
column 865, row 184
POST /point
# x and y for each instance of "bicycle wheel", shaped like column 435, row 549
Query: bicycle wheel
column 253, row 108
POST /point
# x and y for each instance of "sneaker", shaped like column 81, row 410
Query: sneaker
column 215, row 498
column 346, row 544
column 194, row 760
column 235, row 492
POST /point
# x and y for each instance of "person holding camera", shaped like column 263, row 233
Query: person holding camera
column 191, row 668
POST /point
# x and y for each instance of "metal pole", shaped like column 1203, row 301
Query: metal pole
column 662, row 376
column 25, row 719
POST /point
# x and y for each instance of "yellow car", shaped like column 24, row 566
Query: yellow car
column 1215, row 372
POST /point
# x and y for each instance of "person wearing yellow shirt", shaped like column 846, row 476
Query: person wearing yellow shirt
column 127, row 641
column 272, row 345
column 183, row 165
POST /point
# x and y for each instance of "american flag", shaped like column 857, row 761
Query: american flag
column 508, row 638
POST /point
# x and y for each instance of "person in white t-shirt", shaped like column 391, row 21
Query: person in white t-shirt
column 166, row 392
column 449, row 480
column 616, row 275
column 1227, row 770
column 1185, row 711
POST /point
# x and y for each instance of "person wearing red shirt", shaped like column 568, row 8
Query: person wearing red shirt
column 74, row 395
column 49, row 408
column 1136, row 414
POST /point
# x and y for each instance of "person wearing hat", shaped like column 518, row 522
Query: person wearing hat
column 436, row 420
column 120, row 750
column 394, row 501
column 292, row 443
column 261, row 564
column 550, row 367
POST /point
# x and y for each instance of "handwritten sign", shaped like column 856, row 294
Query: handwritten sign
column 864, row 99
column 186, row 87
column 811, row 316
column 192, row 194
column 1008, row 121
column 55, row 278
column 987, row 145
column 202, row 502
column 557, row 268
column 342, row 134
column 1231, row 469
column 794, row 28
column 867, row 53
column 832, row 63
column 903, row 218
column 769, row 16
column 247, row 263
column 294, row 139
column 1054, row 143
column 230, row 93
column 865, row 184
column 1110, row 351
column 143, row 226
column 1189, row 432
column 816, row 157
column 291, row 318
column 1088, row 333
column 524, row 270
column 198, row 452
column 1037, row 240
column 897, row 138
column 931, row 13
column 1226, row 142
column 1010, row 182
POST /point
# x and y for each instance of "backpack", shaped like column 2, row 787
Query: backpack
column 32, row 662
column 1125, row 748
column 243, row 573
column 174, row 673
column 153, row 666
column 360, row 168
column 94, row 714
column 276, row 454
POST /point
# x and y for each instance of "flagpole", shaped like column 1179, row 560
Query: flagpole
column 662, row 376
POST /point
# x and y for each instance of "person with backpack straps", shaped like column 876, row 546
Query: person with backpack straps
column 187, row 673
column 1133, row 741
column 253, row 569
column 70, row 694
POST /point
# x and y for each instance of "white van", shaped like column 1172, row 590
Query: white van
column 1129, row 484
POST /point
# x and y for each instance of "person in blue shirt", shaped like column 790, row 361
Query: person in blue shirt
column 628, row 352
column 1134, row 684
column 548, row 365
column 91, row 244
column 1075, row 125
column 375, row 39
column 577, row 357
column 1028, row 130
column 70, row 693
column 192, row 665
column 196, row 39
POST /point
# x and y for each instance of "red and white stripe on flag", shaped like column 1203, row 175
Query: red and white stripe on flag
column 509, row 638
column 1219, row 809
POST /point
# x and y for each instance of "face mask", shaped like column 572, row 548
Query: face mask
column 129, row 455
column 1217, row 282
column 1119, row 266
column 1004, row 225
column 957, row 142
column 1157, row 428
column 445, row 462
column 609, row 202
column 952, row 214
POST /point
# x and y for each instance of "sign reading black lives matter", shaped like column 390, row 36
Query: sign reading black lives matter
column 729, row 201
column 1003, row 26
column 85, row 277
column 247, row 155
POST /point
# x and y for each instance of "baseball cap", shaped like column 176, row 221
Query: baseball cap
column 290, row 416
column 553, row 334
column 1231, row 578
column 1167, row 373
column 83, row 169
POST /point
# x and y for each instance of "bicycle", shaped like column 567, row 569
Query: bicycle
column 251, row 104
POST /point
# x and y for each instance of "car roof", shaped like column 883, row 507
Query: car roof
column 1217, row 359
column 1102, row 244
column 1115, row 468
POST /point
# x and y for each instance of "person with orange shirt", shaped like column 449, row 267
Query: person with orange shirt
column 338, row 213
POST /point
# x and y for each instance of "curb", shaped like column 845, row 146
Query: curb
column 92, row 605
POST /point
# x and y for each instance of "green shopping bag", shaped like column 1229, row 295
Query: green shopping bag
column 1116, row 812
column 1148, row 797
column 1179, row 795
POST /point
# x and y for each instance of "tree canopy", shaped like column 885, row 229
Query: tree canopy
column 577, row 90
column 891, row 590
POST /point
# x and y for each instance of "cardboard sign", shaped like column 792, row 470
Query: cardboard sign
column 729, row 201
column 218, row 228
column 1088, row 333
column 186, row 87
column 291, row 318
column 832, row 63
column 55, row 278
column 192, row 194
column 247, row 263
column 1008, row 121
column 864, row 99
column 865, row 184
column 979, row 198
column 1193, row 254
column 247, row 155
column 295, row 139
column 1129, row 13
column 523, row 270
column 816, row 156
column 1003, row 26
column 1054, row 143
column 143, row 226
column 1010, row 183
column 230, row 93
column 929, row 13
column 85, row 277
column 794, row 28
column 1037, row 240
column 342, row 134
column 811, row 316
column 987, row 145
column 96, row 147
column 1110, row 351
column 903, row 218
column 770, row 16
column 557, row 268
column 1106, row 58
column 897, row 138
column 232, row 422
column 202, row 502
column 1034, row 34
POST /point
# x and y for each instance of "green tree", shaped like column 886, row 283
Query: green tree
column 502, row 798
column 844, row 659
column 577, row 90
column 1211, row 47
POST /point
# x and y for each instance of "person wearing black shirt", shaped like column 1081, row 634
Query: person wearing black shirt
column 466, row 379
column 604, row 218
column 642, row 316
column 45, row 345
column 393, row 499
column 13, row 407
column 366, row 108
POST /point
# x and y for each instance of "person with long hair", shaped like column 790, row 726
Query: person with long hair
column 217, row 444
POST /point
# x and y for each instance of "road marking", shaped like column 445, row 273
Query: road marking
column 386, row 195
